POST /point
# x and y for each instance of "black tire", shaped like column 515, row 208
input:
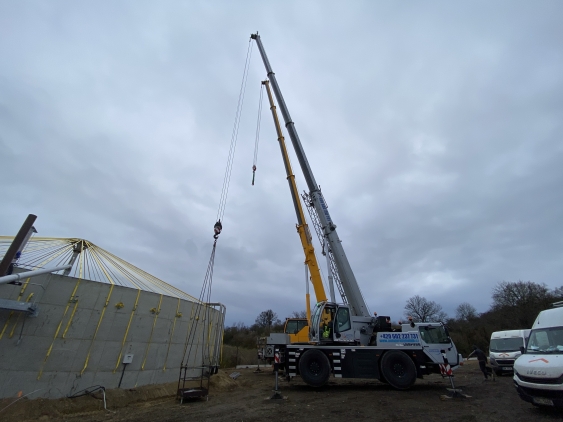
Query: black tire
column 398, row 369
column 314, row 368
column 498, row 373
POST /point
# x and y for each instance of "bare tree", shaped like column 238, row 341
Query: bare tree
column 267, row 319
column 519, row 302
column 520, row 293
column 465, row 311
column 299, row 314
column 558, row 293
column 424, row 310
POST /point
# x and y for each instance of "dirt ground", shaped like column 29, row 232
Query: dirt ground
column 246, row 399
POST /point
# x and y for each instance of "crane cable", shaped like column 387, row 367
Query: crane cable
column 255, row 161
column 205, row 294
column 230, row 159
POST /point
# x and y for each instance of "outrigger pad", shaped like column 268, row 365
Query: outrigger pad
column 454, row 393
column 192, row 393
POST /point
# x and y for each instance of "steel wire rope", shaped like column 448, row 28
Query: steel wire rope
column 89, row 270
column 117, row 264
column 47, row 256
column 98, row 272
column 32, row 246
column 205, row 292
column 125, row 273
column 64, row 256
column 149, row 277
column 103, row 266
column 234, row 136
column 126, row 267
column 256, row 140
column 49, row 259
column 121, row 275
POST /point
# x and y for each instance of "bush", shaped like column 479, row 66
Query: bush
column 233, row 356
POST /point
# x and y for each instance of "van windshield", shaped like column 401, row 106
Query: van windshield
column 546, row 341
column 506, row 344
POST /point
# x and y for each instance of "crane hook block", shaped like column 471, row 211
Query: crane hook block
column 217, row 229
column 253, row 174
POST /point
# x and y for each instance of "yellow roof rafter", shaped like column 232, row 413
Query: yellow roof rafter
column 95, row 264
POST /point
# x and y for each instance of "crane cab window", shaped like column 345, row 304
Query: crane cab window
column 295, row 325
column 434, row 334
column 343, row 319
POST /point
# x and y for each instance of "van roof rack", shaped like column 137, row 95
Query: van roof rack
column 558, row 304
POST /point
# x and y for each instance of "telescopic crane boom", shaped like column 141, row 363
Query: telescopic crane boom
column 302, row 228
column 354, row 296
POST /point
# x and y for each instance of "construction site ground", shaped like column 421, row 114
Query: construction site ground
column 247, row 399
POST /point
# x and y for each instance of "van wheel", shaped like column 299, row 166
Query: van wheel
column 498, row 373
column 314, row 368
column 398, row 369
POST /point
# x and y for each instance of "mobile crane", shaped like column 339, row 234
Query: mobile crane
column 345, row 339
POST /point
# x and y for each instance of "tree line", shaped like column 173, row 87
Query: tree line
column 515, row 305
column 267, row 322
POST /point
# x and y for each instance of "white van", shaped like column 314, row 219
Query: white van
column 504, row 348
column 538, row 373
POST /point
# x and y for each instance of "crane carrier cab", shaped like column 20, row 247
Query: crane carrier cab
column 538, row 372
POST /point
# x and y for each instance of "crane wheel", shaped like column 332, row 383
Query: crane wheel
column 314, row 368
column 398, row 369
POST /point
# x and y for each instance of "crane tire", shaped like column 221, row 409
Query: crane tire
column 398, row 369
column 314, row 368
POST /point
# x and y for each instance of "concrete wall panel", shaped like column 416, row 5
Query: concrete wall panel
column 23, row 361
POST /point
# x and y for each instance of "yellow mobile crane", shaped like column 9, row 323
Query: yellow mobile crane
column 297, row 328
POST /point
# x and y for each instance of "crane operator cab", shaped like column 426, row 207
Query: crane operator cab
column 331, row 323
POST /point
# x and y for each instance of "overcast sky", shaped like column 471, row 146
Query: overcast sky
column 434, row 129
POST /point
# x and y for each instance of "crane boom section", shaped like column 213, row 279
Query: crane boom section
column 302, row 228
column 355, row 299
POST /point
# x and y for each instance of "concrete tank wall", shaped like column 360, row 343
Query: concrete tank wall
column 83, row 330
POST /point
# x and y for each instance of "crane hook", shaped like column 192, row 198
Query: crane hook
column 217, row 229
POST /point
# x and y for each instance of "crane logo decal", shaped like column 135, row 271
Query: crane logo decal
column 325, row 208
column 536, row 360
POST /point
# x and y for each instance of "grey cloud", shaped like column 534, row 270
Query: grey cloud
column 434, row 131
